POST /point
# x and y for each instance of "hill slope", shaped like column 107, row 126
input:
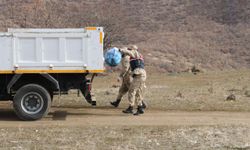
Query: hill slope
column 173, row 35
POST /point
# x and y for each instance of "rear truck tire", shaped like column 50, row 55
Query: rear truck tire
column 31, row 102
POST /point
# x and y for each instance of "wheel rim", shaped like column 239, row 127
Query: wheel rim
column 32, row 103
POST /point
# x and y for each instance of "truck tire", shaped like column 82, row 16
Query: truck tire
column 31, row 102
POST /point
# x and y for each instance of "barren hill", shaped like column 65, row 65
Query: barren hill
column 173, row 35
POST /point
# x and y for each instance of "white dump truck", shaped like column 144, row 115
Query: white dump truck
column 36, row 64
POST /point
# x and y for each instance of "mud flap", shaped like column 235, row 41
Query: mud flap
column 86, row 92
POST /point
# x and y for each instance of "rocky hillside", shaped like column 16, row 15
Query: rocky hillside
column 174, row 35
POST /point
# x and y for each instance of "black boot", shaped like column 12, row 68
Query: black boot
column 129, row 110
column 144, row 105
column 93, row 103
column 139, row 111
column 115, row 103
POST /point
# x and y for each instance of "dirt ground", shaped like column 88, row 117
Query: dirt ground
column 185, row 112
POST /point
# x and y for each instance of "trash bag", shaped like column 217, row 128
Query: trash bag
column 113, row 57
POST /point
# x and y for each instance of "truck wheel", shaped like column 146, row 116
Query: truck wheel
column 31, row 102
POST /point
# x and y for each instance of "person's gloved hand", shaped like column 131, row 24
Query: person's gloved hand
column 117, row 49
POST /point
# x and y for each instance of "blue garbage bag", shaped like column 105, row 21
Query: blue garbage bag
column 113, row 57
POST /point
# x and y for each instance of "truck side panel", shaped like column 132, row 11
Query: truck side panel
column 49, row 51
column 5, row 52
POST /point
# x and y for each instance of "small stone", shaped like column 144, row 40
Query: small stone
column 115, row 86
column 179, row 94
column 247, row 93
column 244, row 88
column 107, row 93
column 195, row 70
column 211, row 90
column 231, row 97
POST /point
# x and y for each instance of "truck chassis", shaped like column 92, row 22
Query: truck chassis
column 32, row 94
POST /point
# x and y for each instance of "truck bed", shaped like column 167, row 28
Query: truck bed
column 52, row 50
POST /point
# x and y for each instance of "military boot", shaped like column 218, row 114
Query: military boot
column 144, row 105
column 139, row 111
column 93, row 103
column 115, row 103
column 129, row 110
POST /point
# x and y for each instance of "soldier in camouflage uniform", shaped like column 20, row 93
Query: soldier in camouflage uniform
column 137, row 85
column 126, row 78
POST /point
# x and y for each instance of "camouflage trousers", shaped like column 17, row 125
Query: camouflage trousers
column 136, row 90
column 123, row 89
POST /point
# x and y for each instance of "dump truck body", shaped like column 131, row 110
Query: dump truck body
column 51, row 50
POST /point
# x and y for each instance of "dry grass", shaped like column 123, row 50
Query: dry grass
column 205, row 92
column 185, row 91
column 106, row 138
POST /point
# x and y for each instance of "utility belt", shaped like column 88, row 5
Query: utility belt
column 136, row 63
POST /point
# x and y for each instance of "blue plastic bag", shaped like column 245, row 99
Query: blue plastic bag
column 113, row 57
